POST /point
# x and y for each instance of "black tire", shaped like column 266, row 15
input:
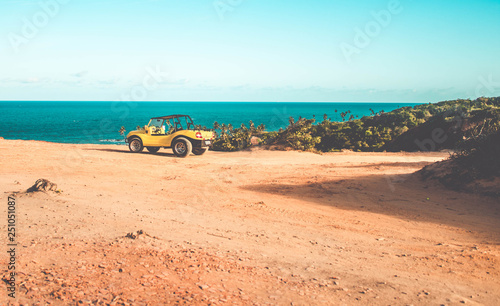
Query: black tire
column 135, row 145
column 182, row 147
column 200, row 151
column 153, row 149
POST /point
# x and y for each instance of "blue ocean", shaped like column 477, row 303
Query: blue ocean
column 99, row 122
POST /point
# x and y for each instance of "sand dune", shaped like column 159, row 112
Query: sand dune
column 253, row 227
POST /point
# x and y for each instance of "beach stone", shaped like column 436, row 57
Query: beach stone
column 254, row 140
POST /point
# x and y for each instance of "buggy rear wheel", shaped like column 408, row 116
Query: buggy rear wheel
column 182, row 147
column 200, row 151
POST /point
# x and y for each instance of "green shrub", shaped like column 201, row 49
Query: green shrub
column 370, row 133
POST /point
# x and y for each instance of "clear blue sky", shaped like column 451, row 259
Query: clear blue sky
column 250, row 50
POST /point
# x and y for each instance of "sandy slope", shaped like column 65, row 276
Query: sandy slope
column 251, row 227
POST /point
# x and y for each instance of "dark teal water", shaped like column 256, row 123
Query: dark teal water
column 99, row 122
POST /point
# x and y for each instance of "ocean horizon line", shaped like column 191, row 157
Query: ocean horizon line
column 120, row 101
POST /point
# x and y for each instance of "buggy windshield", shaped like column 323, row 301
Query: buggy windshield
column 173, row 123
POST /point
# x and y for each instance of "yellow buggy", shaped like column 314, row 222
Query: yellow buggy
column 175, row 131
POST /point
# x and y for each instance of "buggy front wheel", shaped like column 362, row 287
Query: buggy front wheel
column 135, row 145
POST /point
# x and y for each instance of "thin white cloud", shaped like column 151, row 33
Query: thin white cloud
column 80, row 74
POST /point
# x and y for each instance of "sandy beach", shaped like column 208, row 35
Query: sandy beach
column 252, row 227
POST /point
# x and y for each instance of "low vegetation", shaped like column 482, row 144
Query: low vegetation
column 474, row 167
column 425, row 127
column 234, row 139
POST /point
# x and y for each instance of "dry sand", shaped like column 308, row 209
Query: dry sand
column 253, row 227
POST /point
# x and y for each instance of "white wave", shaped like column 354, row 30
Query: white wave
column 111, row 140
